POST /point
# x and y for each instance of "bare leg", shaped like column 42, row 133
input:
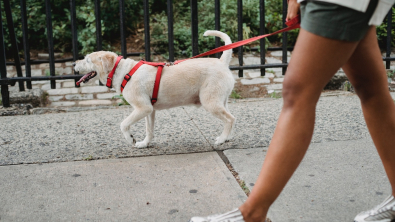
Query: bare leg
column 315, row 59
column 366, row 72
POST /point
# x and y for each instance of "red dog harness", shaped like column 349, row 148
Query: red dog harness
column 134, row 69
column 292, row 24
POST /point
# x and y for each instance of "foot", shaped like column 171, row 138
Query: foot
column 130, row 139
column 231, row 216
column 141, row 144
column 220, row 140
column 385, row 212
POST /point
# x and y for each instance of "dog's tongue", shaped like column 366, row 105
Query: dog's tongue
column 84, row 78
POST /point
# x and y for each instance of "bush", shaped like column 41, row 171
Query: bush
column 228, row 18
column 86, row 23
column 134, row 20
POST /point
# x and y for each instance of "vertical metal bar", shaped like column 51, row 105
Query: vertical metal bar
column 262, row 32
column 5, row 96
column 26, row 47
column 389, row 28
column 146, row 31
column 98, row 25
column 10, row 23
column 217, row 25
column 50, row 42
column 98, row 28
column 240, row 33
column 285, row 35
column 170, row 29
column 74, row 34
column 194, row 21
column 122, row 27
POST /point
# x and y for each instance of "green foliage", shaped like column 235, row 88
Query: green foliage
column 206, row 21
column 390, row 74
column 124, row 102
column 347, row 86
column 86, row 23
column 235, row 95
column 382, row 31
column 275, row 95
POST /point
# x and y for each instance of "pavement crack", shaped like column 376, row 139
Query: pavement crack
column 194, row 123
column 235, row 174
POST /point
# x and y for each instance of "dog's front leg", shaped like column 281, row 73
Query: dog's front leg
column 135, row 116
column 149, row 124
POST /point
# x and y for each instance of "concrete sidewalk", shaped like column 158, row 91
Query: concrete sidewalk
column 42, row 177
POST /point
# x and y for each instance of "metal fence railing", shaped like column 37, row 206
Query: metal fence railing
column 6, row 82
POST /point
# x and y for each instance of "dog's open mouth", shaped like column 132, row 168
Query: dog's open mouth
column 86, row 77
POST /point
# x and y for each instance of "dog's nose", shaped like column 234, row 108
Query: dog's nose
column 73, row 64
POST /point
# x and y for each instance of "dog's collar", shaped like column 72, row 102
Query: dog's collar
column 111, row 74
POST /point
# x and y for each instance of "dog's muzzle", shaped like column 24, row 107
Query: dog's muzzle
column 86, row 77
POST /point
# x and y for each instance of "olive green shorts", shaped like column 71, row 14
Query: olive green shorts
column 335, row 21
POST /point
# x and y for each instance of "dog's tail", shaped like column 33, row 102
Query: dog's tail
column 226, row 55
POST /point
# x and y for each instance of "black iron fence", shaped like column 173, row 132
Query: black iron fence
column 5, row 82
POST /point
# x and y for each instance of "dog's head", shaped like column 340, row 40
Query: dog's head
column 97, row 63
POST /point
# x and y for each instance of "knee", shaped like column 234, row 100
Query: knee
column 366, row 92
column 298, row 93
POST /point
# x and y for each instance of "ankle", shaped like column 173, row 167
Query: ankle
column 253, row 214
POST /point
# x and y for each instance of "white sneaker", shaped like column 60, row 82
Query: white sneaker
column 231, row 216
column 385, row 212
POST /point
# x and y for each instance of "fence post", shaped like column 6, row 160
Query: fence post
column 285, row 36
column 10, row 23
column 50, row 42
column 98, row 25
column 170, row 29
column 122, row 27
column 26, row 43
column 389, row 28
column 240, row 33
column 262, row 32
column 217, row 25
column 146, row 31
column 74, row 34
column 5, row 96
column 194, row 25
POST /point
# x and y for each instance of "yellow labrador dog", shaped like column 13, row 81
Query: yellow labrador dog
column 205, row 82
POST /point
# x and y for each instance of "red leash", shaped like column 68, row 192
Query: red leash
column 292, row 24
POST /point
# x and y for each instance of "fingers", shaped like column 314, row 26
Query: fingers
column 293, row 9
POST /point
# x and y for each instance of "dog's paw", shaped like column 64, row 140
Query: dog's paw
column 131, row 140
column 219, row 141
column 141, row 145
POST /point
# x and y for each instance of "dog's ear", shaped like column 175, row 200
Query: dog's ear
column 107, row 61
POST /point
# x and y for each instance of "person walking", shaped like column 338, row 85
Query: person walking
column 334, row 34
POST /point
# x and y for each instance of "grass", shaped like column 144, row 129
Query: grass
column 124, row 102
column 347, row 86
column 390, row 74
column 235, row 95
column 275, row 95
column 90, row 157
column 244, row 187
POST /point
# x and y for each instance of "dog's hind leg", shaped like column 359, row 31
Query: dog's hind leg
column 149, row 124
column 219, row 110
column 135, row 116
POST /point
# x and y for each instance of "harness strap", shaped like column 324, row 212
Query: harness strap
column 157, row 79
column 111, row 74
